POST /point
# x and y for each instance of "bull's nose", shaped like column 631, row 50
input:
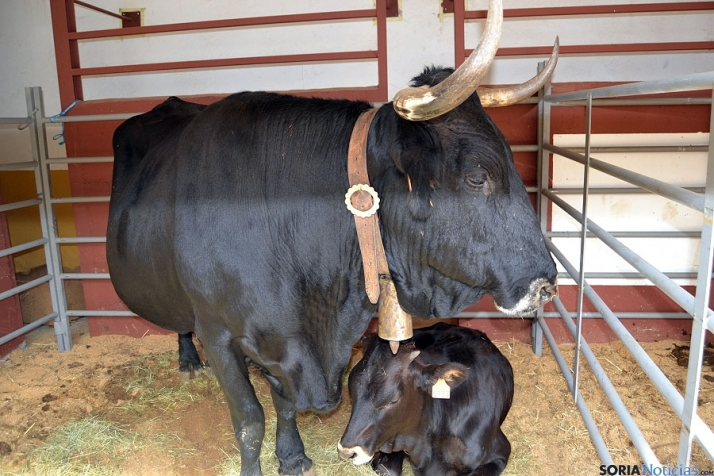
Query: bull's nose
column 345, row 453
column 547, row 292
column 355, row 455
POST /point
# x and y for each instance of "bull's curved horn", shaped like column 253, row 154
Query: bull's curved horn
column 494, row 97
column 420, row 104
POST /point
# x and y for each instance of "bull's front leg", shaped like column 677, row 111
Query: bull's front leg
column 246, row 411
column 289, row 447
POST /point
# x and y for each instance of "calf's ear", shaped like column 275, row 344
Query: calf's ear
column 454, row 374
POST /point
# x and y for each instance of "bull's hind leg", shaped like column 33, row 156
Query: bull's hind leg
column 289, row 447
column 247, row 415
column 189, row 360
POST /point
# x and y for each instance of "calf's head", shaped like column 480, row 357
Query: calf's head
column 390, row 399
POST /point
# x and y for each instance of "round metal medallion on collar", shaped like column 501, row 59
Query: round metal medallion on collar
column 357, row 200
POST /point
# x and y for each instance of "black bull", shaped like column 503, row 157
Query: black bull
column 230, row 220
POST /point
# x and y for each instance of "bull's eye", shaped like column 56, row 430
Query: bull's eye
column 477, row 180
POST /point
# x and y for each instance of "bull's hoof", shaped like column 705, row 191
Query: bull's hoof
column 303, row 468
column 191, row 368
column 189, row 371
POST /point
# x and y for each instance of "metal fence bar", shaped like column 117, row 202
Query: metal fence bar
column 24, row 287
column 586, row 315
column 628, row 422
column 679, row 295
column 100, row 313
column 658, row 378
column 81, row 239
column 18, row 165
column 583, row 240
column 17, row 205
column 693, row 82
column 693, row 428
column 590, row 424
column 27, row 328
column 80, row 160
column 79, row 199
column 84, row 276
column 120, row 116
column 15, row 120
column 678, row 194
column 701, row 307
column 48, row 223
column 542, row 177
column 23, row 247
column 629, row 234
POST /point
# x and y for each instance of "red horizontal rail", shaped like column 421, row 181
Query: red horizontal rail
column 595, row 10
column 230, row 23
column 225, row 62
column 100, row 10
column 607, row 48
column 71, row 72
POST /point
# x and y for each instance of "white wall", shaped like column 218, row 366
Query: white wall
column 420, row 36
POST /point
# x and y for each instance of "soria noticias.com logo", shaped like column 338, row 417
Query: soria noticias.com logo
column 652, row 470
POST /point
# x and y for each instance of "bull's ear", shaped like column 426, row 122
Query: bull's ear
column 454, row 374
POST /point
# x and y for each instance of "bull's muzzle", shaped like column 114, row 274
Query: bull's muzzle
column 539, row 292
column 355, row 455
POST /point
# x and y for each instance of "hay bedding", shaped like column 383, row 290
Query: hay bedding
column 116, row 405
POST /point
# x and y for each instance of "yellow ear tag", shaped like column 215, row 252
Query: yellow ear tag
column 441, row 390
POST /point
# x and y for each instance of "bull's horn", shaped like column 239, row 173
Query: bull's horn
column 506, row 96
column 420, row 104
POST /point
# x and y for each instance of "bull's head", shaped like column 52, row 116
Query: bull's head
column 457, row 217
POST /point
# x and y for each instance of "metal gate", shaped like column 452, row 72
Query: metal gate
column 697, row 306
column 36, row 122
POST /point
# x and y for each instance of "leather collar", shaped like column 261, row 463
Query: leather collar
column 363, row 202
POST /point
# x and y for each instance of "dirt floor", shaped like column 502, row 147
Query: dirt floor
column 116, row 405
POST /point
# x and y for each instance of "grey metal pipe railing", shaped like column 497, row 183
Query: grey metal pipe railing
column 595, row 436
column 48, row 223
column 84, row 118
column 678, row 194
column 23, row 247
column 84, row 276
column 27, row 328
column 80, row 160
column 15, row 120
column 100, row 313
column 24, row 287
column 79, row 199
column 655, row 374
column 586, row 315
column 81, row 239
column 18, row 165
column 674, row 291
column 693, row 82
column 628, row 422
column 700, row 199
column 629, row 234
column 17, row 205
